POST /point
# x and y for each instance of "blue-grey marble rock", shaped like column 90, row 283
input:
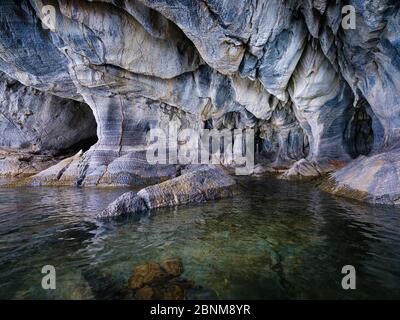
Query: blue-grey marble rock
column 200, row 185
column 374, row 179
column 36, row 121
column 320, row 97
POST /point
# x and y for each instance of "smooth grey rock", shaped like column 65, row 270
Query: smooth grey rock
column 203, row 184
column 128, row 203
column 302, row 169
column 374, row 179
column 322, row 103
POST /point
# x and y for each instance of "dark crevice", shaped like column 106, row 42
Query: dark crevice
column 359, row 133
column 85, row 143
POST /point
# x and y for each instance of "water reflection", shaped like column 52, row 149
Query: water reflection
column 275, row 240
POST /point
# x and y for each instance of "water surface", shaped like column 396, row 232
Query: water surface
column 275, row 240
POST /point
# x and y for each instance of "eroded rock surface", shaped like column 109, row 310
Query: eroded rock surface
column 316, row 94
column 19, row 164
column 35, row 121
column 38, row 129
column 374, row 179
column 200, row 185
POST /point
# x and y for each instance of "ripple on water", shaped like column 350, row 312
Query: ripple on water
column 274, row 240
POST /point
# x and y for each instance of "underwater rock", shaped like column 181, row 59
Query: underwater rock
column 147, row 274
column 155, row 281
column 166, row 292
column 173, row 267
column 147, row 293
column 104, row 286
column 173, row 292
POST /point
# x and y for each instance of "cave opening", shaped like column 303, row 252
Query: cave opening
column 83, row 128
column 83, row 145
column 359, row 133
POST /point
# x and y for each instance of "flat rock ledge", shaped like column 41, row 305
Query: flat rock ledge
column 305, row 170
column 20, row 164
column 374, row 179
column 202, row 184
column 302, row 170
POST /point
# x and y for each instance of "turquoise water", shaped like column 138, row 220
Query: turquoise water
column 275, row 240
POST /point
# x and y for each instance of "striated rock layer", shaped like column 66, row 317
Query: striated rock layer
column 321, row 98
column 199, row 185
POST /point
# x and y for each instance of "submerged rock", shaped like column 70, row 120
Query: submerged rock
column 202, row 184
column 103, row 285
column 168, row 292
column 148, row 293
column 153, row 281
column 173, row 267
column 147, row 274
column 173, row 292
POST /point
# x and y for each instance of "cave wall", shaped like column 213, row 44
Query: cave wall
column 285, row 68
column 39, row 122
